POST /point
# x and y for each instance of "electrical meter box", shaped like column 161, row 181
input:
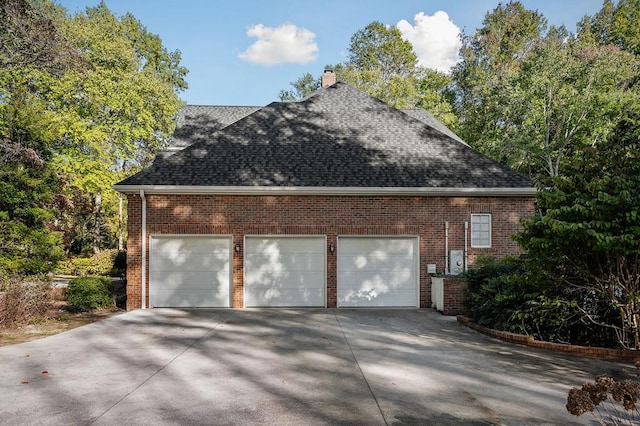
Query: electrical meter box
column 456, row 262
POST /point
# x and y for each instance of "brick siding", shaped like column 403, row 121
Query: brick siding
column 453, row 296
column 323, row 215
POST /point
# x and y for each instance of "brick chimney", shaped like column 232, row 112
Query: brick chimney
column 328, row 78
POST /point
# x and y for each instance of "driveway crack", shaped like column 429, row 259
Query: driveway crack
column 373, row 395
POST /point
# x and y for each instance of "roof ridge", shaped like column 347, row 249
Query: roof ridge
column 221, row 106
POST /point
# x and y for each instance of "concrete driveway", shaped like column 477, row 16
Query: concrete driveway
column 286, row 367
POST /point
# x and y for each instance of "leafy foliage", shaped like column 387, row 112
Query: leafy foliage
column 108, row 262
column 490, row 59
column 87, row 293
column 116, row 116
column 384, row 65
column 302, row 87
column 531, row 97
column 588, row 235
column 84, row 100
column 29, row 39
column 507, row 295
column 615, row 24
column 491, row 294
column 579, row 279
column 29, row 186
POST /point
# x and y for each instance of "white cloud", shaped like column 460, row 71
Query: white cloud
column 286, row 43
column 435, row 39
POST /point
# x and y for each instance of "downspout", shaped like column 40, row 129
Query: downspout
column 466, row 252
column 144, row 249
column 446, row 248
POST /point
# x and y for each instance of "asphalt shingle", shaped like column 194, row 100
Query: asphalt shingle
column 339, row 137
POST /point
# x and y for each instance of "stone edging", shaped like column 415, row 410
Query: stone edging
column 520, row 339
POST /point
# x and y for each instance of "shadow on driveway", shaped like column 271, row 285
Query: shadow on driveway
column 287, row 366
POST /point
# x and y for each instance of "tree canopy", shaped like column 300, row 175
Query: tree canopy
column 302, row 87
column 383, row 64
column 564, row 109
column 84, row 99
column 531, row 96
column 615, row 24
column 589, row 235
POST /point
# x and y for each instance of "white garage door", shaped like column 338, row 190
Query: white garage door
column 190, row 271
column 284, row 271
column 378, row 271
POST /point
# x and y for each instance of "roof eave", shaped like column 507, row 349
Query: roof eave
column 319, row 190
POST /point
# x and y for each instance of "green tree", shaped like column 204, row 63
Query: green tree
column 29, row 39
column 115, row 116
column 567, row 95
column 490, row 59
column 587, row 236
column 533, row 98
column 616, row 23
column 92, row 97
column 435, row 96
column 384, row 65
column 29, row 186
column 302, row 87
column 381, row 48
column 31, row 189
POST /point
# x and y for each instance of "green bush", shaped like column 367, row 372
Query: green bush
column 119, row 267
column 511, row 295
column 494, row 293
column 87, row 293
column 107, row 262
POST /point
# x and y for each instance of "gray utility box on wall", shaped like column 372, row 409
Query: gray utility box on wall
column 456, row 262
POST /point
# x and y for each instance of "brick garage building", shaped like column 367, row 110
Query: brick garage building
column 338, row 200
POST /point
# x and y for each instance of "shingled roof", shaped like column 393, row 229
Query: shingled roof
column 425, row 117
column 338, row 138
column 204, row 120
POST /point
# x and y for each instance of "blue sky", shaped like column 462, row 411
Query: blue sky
column 244, row 52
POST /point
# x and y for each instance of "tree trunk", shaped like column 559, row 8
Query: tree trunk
column 97, row 235
column 635, row 328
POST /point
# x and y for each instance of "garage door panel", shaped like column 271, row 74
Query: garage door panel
column 371, row 296
column 377, row 271
column 376, row 246
column 288, row 261
column 179, row 244
column 187, row 281
column 285, row 271
column 368, row 263
column 275, row 296
column 190, row 271
column 205, row 262
column 392, row 279
column 285, row 245
column 194, row 299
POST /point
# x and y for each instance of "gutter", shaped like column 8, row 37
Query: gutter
column 323, row 190
column 143, row 237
